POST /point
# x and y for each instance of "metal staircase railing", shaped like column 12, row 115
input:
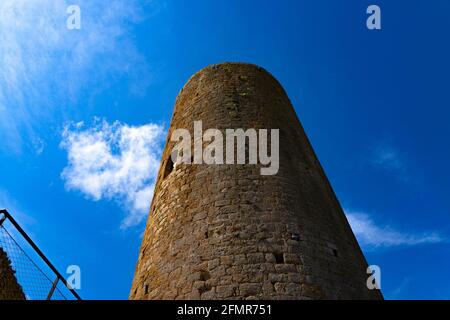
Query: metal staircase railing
column 32, row 280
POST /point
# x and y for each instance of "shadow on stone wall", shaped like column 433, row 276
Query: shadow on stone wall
column 10, row 289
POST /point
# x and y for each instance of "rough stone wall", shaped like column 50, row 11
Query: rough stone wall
column 225, row 231
column 9, row 288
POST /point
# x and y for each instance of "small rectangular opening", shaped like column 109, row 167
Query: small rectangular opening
column 168, row 168
column 279, row 258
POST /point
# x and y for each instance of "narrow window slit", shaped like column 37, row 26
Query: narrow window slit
column 168, row 168
column 295, row 236
column 279, row 258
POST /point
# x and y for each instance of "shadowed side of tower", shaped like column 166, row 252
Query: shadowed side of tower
column 226, row 231
column 9, row 287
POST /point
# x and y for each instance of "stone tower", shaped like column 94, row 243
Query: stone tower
column 228, row 232
column 10, row 289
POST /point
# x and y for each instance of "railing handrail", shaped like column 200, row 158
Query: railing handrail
column 39, row 252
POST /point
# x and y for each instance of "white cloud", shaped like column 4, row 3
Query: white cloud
column 114, row 161
column 371, row 235
column 44, row 66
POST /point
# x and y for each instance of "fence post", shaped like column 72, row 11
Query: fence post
column 2, row 219
column 52, row 289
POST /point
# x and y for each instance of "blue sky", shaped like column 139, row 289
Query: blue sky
column 83, row 116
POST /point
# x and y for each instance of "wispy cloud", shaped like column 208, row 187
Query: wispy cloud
column 387, row 157
column 400, row 289
column 24, row 219
column 7, row 202
column 370, row 235
column 114, row 161
column 44, row 65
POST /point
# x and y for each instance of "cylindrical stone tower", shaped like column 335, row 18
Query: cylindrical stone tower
column 226, row 231
column 10, row 289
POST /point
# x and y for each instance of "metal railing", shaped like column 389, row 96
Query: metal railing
column 21, row 276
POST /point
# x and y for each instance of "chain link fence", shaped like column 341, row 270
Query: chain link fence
column 25, row 272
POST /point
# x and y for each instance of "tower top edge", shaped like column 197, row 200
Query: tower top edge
column 232, row 64
column 237, row 67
